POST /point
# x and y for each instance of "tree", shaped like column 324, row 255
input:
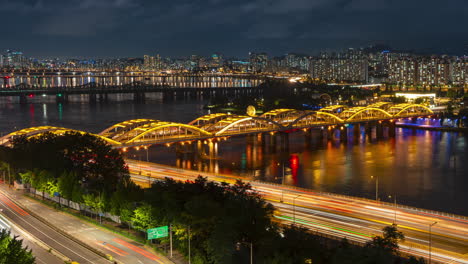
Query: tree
column 413, row 260
column 389, row 240
column 398, row 99
column 142, row 218
column 67, row 185
column 12, row 250
column 419, row 100
column 99, row 166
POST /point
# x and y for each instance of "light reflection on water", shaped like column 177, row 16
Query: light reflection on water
column 423, row 168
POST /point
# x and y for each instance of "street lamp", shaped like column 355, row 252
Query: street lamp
column 147, row 156
column 282, row 183
column 294, row 208
column 394, row 199
column 430, row 240
column 376, row 187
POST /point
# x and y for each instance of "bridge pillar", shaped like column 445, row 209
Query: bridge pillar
column 212, row 149
column 330, row 133
column 284, row 137
column 321, row 134
column 356, row 132
column 368, row 130
column 343, row 134
column 308, row 136
column 272, row 142
column 379, row 130
column 391, row 129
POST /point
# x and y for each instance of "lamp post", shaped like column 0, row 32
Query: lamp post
column 147, row 155
column 394, row 200
column 251, row 253
column 294, row 209
column 430, row 241
column 376, row 187
column 282, row 183
column 189, row 255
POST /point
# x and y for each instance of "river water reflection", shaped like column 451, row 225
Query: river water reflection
column 422, row 168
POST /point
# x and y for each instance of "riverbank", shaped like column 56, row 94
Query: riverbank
column 433, row 128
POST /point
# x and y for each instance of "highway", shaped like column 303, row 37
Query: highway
column 343, row 216
column 46, row 234
column 40, row 252
column 120, row 248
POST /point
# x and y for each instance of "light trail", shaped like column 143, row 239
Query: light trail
column 342, row 216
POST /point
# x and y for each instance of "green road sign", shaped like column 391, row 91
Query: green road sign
column 158, row 232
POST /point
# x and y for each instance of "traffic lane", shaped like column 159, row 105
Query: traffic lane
column 49, row 236
column 148, row 168
column 41, row 254
column 357, row 223
column 357, row 235
column 369, row 209
column 386, row 216
column 359, row 208
column 102, row 240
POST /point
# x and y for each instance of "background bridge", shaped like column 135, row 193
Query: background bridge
column 140, row 132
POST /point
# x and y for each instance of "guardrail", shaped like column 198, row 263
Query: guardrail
column 398, row 206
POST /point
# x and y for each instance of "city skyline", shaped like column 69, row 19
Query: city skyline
column 129, row 28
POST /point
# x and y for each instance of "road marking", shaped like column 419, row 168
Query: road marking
column 12, row 205
column 138, row 250
column 26, row 222
column 110, row 247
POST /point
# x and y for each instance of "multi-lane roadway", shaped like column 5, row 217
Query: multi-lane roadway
column 21, row 215
column 343, row 216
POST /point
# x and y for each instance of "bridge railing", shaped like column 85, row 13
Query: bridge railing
column 392, row 205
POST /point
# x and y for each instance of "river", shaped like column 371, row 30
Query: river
column 422, row 168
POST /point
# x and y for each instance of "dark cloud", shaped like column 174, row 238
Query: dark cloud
column 184, row 27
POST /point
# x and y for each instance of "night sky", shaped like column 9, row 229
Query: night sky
column 118, row 28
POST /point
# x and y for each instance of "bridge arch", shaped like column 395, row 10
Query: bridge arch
column 209, row 119
column 248, row 124
column 121, row 128
column 413, row 109
column 315, row 118
column 166, row 131
column 369, row 113
column 35, row 131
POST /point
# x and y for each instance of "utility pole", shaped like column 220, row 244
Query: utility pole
column 170, row 239
column 147, row 155
column 394, row 199
column 251, row 253
column 9, row 176
column 430, row 241
column 376, row 187
column 282, row 184
column 189, row 257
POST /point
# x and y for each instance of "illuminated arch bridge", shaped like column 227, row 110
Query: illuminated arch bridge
column 150, row 131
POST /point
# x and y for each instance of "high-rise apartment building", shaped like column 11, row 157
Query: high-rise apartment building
column 351, row 66
column 459, row 72
column 258, row 61
column 428, row 71
column 15, row 59
column 152, row 63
